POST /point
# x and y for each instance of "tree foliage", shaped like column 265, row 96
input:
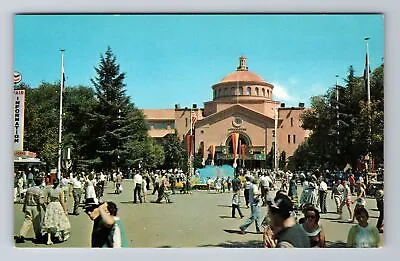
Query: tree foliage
column 118, row 129
column 101, row 125
column 175, row 154
column 340, row 129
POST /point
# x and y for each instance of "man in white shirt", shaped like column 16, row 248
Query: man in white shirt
column 323, row 191
column 264, row 184
column 76, row 192
column 137, row 184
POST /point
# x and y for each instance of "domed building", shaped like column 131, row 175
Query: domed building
column 242, row 105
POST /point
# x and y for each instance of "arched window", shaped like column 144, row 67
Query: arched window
column 263, row 92
column 233, row 91
column 219, row 93
column 240, row 90
column 215, row 94
column 257, row 92
column 267, row 93
column 225, row 92
column 248, row 91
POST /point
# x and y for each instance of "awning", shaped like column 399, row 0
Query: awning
column 32, row 161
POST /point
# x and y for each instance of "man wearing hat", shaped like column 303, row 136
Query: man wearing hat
column 283, row 225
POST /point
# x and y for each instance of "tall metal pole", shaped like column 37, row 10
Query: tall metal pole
column 60, row 123
column 337, row 116
column 369, row 105
column 191, row 145
column 118, row 157
column 276, row 139
column 367, row 72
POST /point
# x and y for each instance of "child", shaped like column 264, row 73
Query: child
column 236, row 204
column 118, row 232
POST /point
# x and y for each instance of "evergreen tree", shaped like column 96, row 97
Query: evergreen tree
column 174, row 152
column 117, row 126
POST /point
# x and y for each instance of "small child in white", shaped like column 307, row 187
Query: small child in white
column 236, row 204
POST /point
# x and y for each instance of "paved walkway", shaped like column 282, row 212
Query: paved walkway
column 200, row 219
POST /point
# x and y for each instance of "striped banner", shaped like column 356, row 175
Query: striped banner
column 194, row 118
column 189, row 145
column 235, row 143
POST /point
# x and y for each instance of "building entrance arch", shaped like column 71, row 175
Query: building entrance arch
column 244, row 139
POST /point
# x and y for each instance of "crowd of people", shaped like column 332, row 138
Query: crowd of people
column 282, row 225
column 44, row 204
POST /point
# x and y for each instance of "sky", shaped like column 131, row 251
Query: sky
column 175, row 59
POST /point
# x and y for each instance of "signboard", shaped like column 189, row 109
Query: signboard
column 19, row 107
column 259, row 156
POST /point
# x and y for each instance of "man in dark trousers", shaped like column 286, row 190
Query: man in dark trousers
column 137, row 184
column 236, row 183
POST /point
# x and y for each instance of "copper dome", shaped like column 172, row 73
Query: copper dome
column 242, row 76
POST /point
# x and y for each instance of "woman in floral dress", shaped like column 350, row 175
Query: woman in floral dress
column 55, row 223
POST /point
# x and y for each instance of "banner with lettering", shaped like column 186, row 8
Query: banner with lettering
column 19, row 107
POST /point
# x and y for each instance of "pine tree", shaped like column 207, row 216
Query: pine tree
column 118, row 126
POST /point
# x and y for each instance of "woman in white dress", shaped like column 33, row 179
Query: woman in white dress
column 309, row 194
column 89, row 187
column 55, row 222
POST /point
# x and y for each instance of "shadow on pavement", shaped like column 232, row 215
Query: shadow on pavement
column 225, row 206
column 238, row 244
column 126, row 202
column 40, row 241
column 226, row 217
column 238, row 231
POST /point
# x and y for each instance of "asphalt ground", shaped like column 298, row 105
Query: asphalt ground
column 200, row 219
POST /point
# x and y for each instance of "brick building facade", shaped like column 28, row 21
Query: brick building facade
column 242, row 103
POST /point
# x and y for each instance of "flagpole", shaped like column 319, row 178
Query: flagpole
column 275, row 139
column 369, row 105
column 337, row 116
column 60, row 123
column 190, row 149
column 367, row 72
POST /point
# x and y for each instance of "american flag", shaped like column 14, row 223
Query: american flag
column 194, row 118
